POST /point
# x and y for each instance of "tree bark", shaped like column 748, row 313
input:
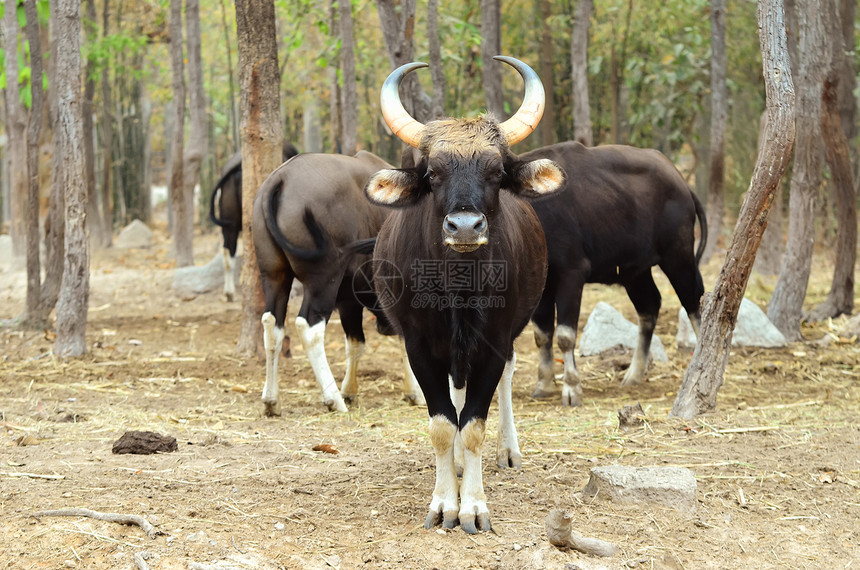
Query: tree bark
column 616, row 78
column 848, row 71
column 32, row 318
column 769, row 257
column 546, row 127
column 335, row 102
column 716, row 208
column 437, row 110
column 398, row 30
column 179, row 202
column 195, row 150
column 491, row 45
column 234, row 120
column 704, row 376
column 349, row 92
column 75, row 290
column 16, row 127
column 786, row 305
column 840, row 299
column 262, row 143
column 582, row 131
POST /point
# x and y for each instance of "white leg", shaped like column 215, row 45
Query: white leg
column 508, row 450
column 411, row 389
column 349, row 387
column 546, row 377
column 458, row 397
column 313, row 339
column 636, row 373
column 571, row 390
column 273, row 339
column 229, row 285
column 474, row 513
column 444, row 506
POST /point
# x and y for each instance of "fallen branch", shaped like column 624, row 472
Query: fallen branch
column 140, row 560
column 32, row 475
column 560, row 534
column 109, row 517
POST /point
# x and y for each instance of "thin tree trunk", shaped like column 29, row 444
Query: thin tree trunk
column 616, row 78
column 34, row 267
column 93, row 218
column 769, row 257
column 704, row 376
column 335, row 109
column 491, row 45
column 848, row 71
column 349, row 91
column 547, row 124
column 579, row 69
column 75, row 290
column 840, row 300
column 196, row 148
column 107, row 121
column 716, row 209
column 234, row 120
column 786, row 305
column 16, row 127
column 437, row 110
column 262, row 144
column 179, row 204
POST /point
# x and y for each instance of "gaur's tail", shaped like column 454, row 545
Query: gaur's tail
column 361, row 247
column 270, row 213
column 703, row 225
column 215, row 191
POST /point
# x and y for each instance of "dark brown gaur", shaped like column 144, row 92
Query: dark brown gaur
column 461, row 206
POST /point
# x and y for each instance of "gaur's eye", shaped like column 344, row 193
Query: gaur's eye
column 431, row 174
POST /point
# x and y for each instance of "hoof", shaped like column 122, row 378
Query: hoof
column 448, row 519
column 228, row 297
column 414, row 400
column 472, row 525
column 542, row 393
column 633, row 380
column 336, row 405
column 271, row 410
column 571, row 396
column 508, row 458
column 350, row 398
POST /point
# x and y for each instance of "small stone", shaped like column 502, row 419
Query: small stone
column 279, row 526
column 517, row 547
column 66, row 495
column 69, row 563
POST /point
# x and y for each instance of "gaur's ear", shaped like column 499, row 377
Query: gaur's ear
column 394, row 188
column 537, row 178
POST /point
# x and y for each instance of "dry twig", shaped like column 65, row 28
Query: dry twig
column 109, row 517
column 140, row 560
column 560, row 534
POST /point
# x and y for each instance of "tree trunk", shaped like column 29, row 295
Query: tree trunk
column 848, row 71
column 55, row 223
column 546, row 128
column 180, row 205
column 234, row 120
column 437, row 110
column 579, row 69
column 107, row 120
column 75, row 290
column 786, row 305
column 16, row 127
column 398, row 30
column 716, row 209
column 840, row 300
column 335, row 110
column 769, row 257
column 491, row 45
column 704, row 376
column 93, row 218
column 349, row 91
column 262, row 143
column 196, row 148
column 34, row 267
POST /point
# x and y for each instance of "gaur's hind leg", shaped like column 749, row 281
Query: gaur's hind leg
column 543, row 322
column 687, row 282
column 317, row 306
column 350, row 319
column 276, row 289
column 646, row 299
column 411, row 390
column 508, row 446
column 568, row 302
column 231, row 238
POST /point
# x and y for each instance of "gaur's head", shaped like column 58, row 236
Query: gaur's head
column 462, row 164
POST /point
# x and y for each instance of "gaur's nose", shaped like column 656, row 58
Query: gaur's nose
column 465, row 227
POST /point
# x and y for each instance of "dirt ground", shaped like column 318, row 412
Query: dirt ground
column 777, row 465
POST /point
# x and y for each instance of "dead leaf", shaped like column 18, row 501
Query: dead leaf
column 239, row 388
column 326, row 448
column 827, row 476
column 27, row 440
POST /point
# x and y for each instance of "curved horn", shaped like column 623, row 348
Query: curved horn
column 526, row 119
column 398, row 118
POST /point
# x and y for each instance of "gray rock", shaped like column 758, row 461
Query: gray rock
column 752, row 328
column 188, row 282
column 607, row 329
column 135, row 235
column 673, row 487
